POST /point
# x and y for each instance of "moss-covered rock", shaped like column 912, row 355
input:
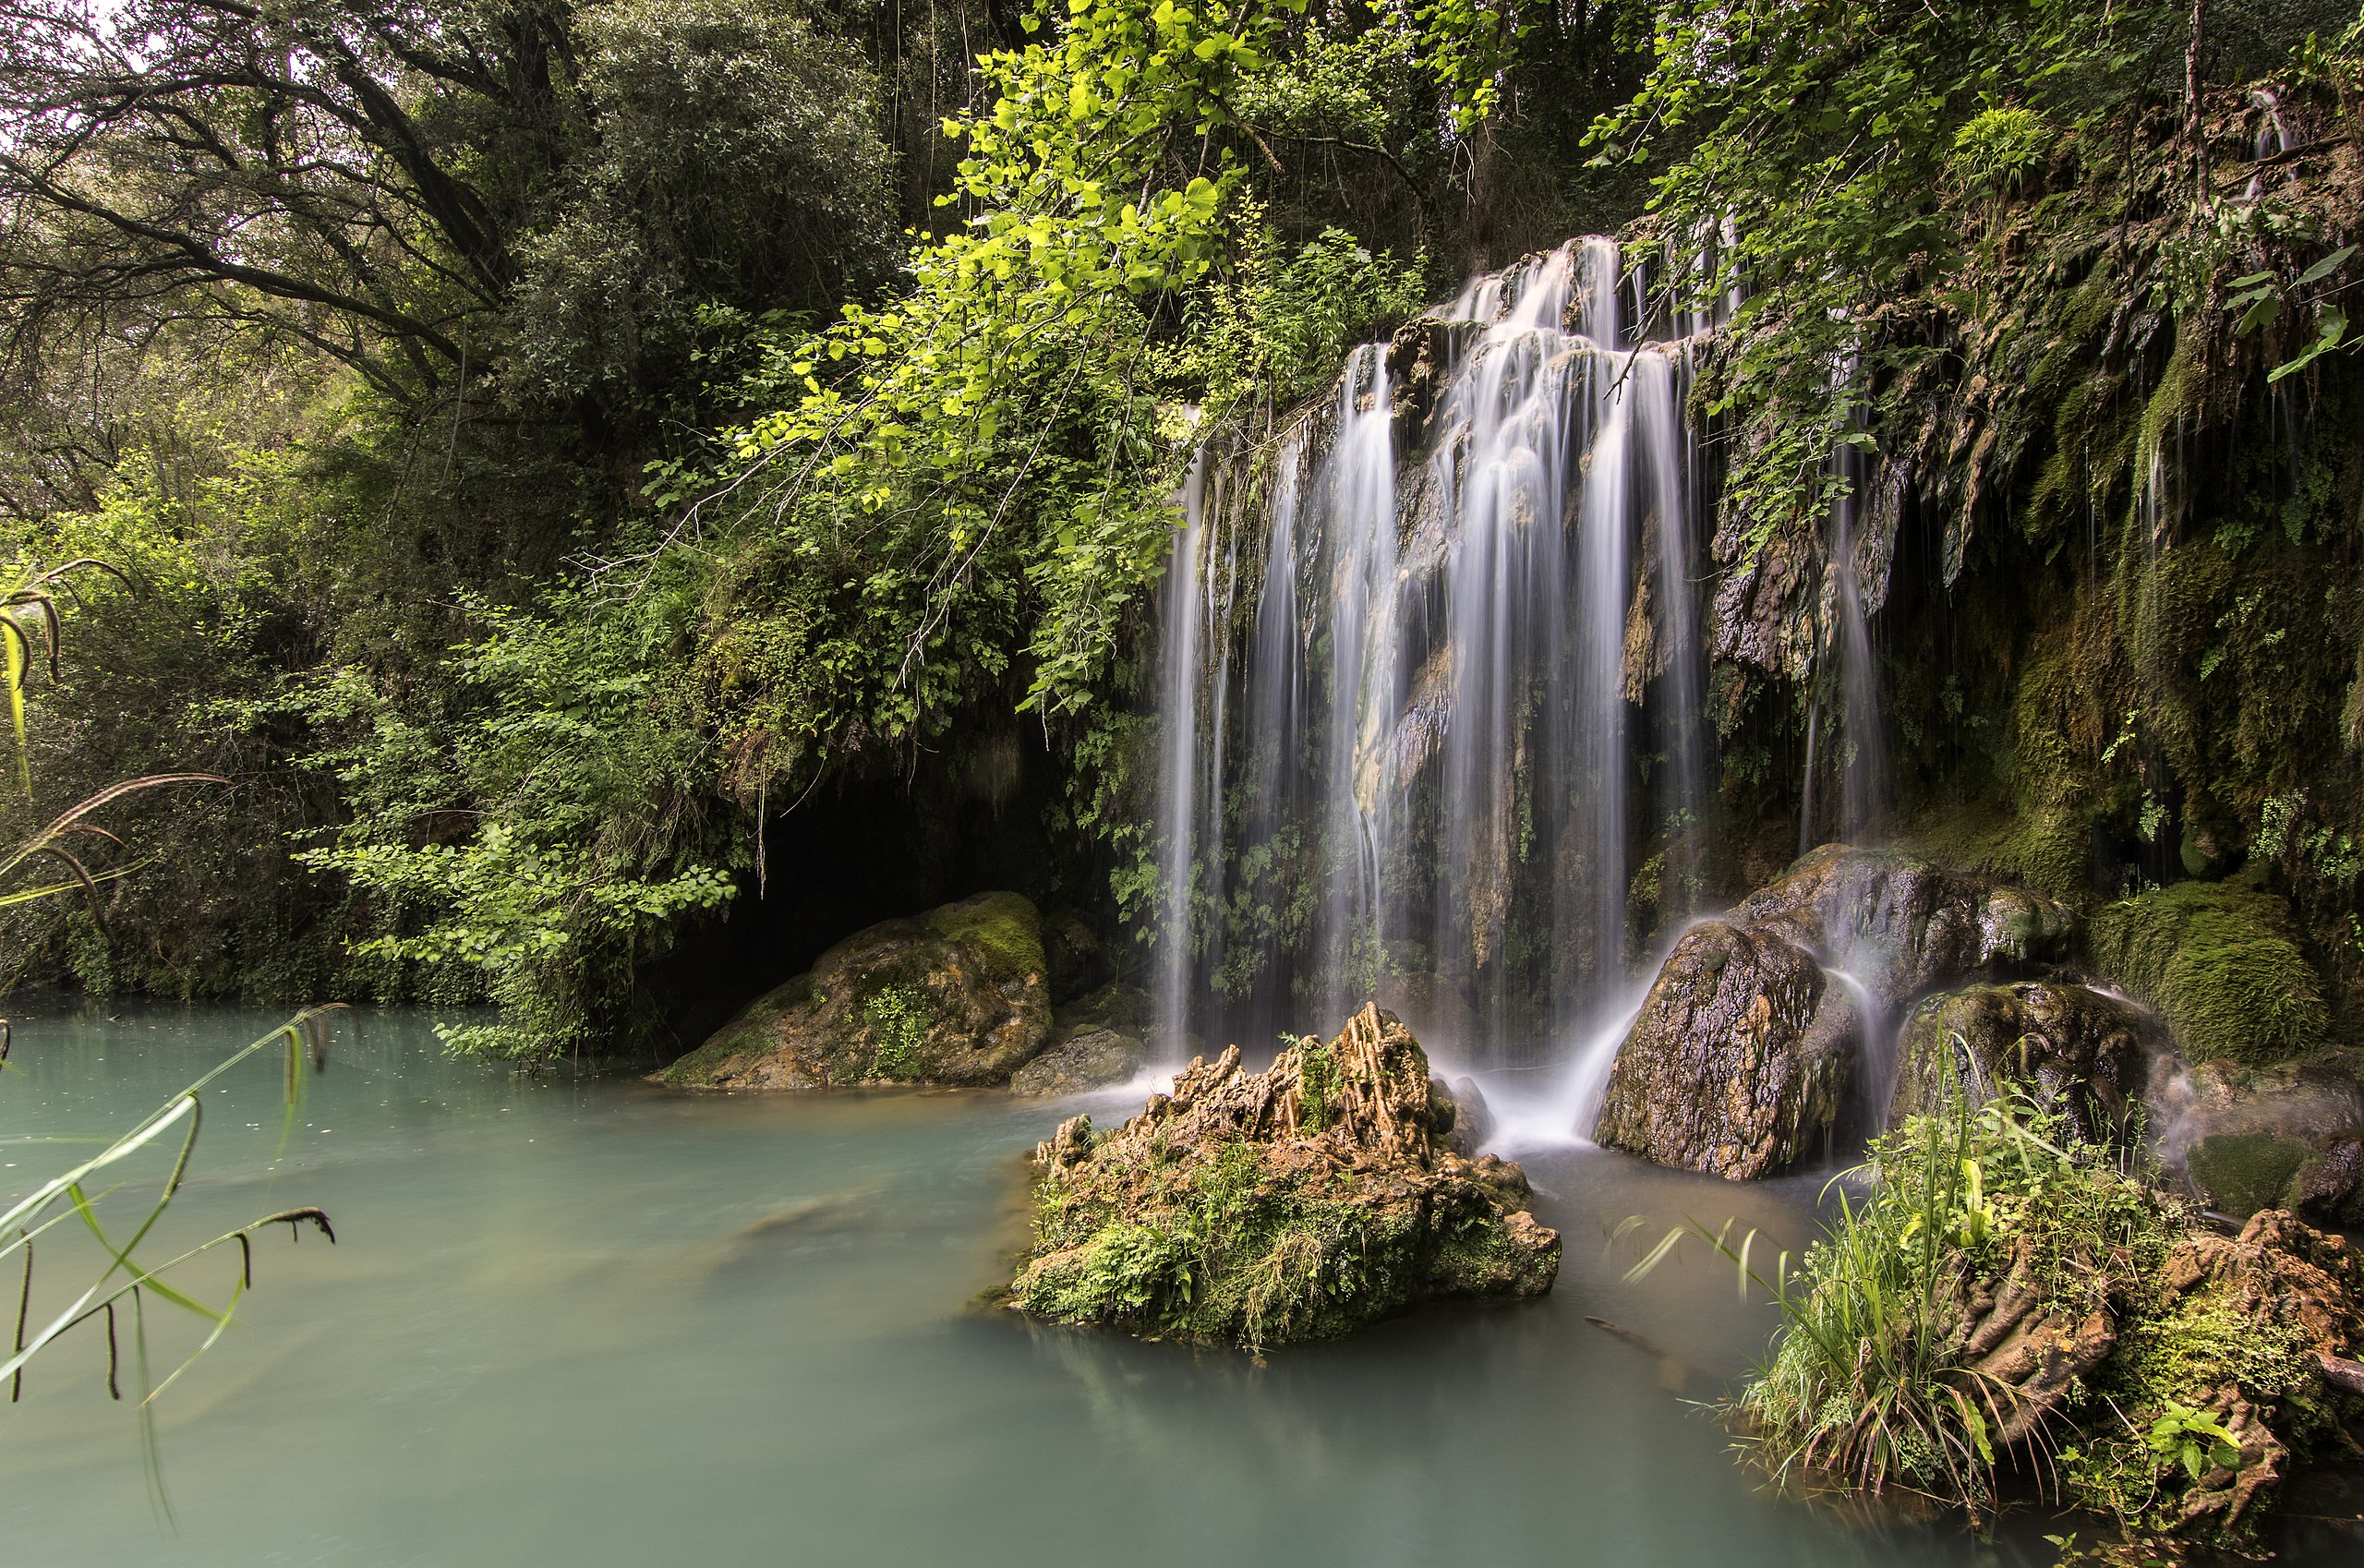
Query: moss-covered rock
column 957, row 995
column 2290, row 1135
column 2070, row 1048
column 1739, row 1060
column 1096, row 1041
column 2222, row 965
column 2240, row 1173
column 2250, row 1335
column 1298, row 1203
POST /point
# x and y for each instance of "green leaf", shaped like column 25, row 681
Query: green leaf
column 2325, row 266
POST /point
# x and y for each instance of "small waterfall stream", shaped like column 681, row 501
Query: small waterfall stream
column 1430, row 680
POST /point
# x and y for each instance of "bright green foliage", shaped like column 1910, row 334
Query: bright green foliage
column 1871, row 1382
column 1273, row 331
column 2192, row 1439
column 898, row 1019
column 542, row 834
column 912, row 412
column 2223, row 966
column 1831, row 137
column 1867, row 1378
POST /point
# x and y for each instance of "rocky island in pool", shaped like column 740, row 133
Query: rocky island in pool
column 1301, row 1202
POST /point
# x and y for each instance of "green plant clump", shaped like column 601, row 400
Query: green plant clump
column 2010, row 1304
column 2223, row 967
column 1302, row 1203
column 1232, row 1245
column 898, row 1020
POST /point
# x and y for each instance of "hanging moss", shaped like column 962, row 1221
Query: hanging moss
column 2222, row 965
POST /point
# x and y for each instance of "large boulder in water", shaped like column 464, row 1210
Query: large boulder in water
column 2068, row 1047
column 1745, row 1052
column 1740, row 1060
column 958, row 995
column 1900, row 924
column 1301, row 1202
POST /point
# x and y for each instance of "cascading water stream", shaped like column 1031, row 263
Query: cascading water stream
column 1177, row 709
column 1466, row 700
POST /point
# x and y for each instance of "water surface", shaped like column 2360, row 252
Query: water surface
column 589, row 1323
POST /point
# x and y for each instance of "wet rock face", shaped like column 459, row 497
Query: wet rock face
column 1075, row 958
column 2290, row 1136
column 958, row 996
column 1740, row 1060
column 1900, row 924
column 1096, row 1041
column 2074, row 1049
column 1301, row 1202
column 1745, row 1050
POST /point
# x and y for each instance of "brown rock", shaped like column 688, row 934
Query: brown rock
column 2071, row 1047
column 1299, row 1202
column 1739, row 1061
column 1901, row 925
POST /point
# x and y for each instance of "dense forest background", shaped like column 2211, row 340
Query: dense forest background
column 627, row 492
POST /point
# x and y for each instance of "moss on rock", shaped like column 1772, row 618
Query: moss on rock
column 1298, row 1203
column 2071, row 1049
column 958, row 995
column 2222, row 965
column 2240, row 1173
column 1003, row 924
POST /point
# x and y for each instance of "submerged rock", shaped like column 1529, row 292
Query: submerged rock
column 1091, row 1059
column 1900, row 924
column 958, row 995
column 1298, row 1203
column 1740, row 1058
column 2072, row 1048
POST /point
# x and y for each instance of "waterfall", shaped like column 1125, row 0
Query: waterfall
column 1845, row 658
column 1179, row 758
column 1466, row 704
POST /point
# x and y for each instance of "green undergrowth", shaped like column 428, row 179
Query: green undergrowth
column 1237, row 1244
column 898, row 1021
column 1869, row 1383
column 2223, row 966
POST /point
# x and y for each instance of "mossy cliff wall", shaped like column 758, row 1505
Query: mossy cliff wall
column 2118, row 618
